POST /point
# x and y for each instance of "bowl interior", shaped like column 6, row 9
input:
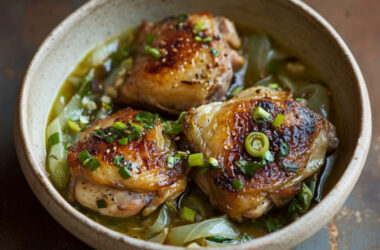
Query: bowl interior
column 100, row 20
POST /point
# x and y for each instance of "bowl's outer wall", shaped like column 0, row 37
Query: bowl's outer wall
column 291, row 22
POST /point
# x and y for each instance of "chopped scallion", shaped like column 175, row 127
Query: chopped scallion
column 290, row 167
column 123, row 141
column 92, row 163
column 207, row 40
column 198, row 27
column 73, row 126
column 278, row 120
column 284, row 150
column 198, row 38
column 124, row 173
column 149, row 39
column 84, row 155
column 196, row 160
column 256, row 144
column 259, row 115
column 54, row 139
column 238, row 185
column 273, row 85
column 268, row 156
column 188, row 214
column 236, row 91
column 119, row 125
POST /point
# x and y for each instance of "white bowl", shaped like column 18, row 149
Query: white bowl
column 292, row 22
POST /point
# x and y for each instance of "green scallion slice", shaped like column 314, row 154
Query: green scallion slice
column 84, row 155
column 238, row 185
column 207, row 40
column 198, row 27
column 188, row 214
column 54, row 139
column 284, row 150
column 119, row 125
column 196, row 160
column 198, row 38
column 290, row 167
column 92, row 163
column 73, row 126
column 278, row 120
column 124, row 173
column 155, row 53
column 273, row 85
column 256, row 144
column 259, row 115
column 123, row 141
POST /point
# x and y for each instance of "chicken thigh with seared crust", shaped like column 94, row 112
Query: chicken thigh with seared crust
column 119, row 167
column 181, row 63
column 248, row 186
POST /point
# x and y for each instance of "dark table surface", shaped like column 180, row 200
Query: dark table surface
column 25, row 224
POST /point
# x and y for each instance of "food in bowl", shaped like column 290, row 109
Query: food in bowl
column 191, row 132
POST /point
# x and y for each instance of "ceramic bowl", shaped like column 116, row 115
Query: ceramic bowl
column 292, row 22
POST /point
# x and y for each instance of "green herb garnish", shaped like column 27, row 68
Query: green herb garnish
column 284, row 150
column 54, row 139
column 238, row 185
column 290, row 167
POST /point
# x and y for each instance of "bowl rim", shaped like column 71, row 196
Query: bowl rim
column 346, row 181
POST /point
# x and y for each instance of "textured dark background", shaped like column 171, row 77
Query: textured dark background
column 25, row 224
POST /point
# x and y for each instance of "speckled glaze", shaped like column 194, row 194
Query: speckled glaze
column 290, row 21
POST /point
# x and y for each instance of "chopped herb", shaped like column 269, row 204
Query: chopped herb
column 207, row 40
column 105, row 134
column 92, row 163
column 135, row 131
column 124, row 173
column 171, row 161
column 273, row 86
column 153, row 52
column 284, row 150
column 149, row 39
column 213, row 162
column 84, row 155
column 196, row 160
column 301, row 203
column 238, row 185
column 148, row 119
column 123, row 141
column 73, row 126
column 198, row 27
column 214, row 51
column 182, row 154
column 198, row 38
column 219, row 239
column 236, row 90
column 119, row 55
column 54, row 139
column 249, row 168
column 188, row 214
column 268, row 156
column 299, row 99
column 101, row 203
column 174, row 127
column 278, row 120
column 260, row 115
column 119, row 160
column 290, row 167
column 273, row 224
column 119, row 125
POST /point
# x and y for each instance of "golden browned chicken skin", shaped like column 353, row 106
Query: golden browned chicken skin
column 219, row 130
column 194, row 66
column 151, row 182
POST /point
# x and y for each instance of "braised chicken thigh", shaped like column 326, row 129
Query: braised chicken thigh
column 119, row 167
column 247, row 184
column 181, row 63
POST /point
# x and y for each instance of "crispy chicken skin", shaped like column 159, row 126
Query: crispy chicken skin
column 151, row 183
column 219, row 129
column 188, row 73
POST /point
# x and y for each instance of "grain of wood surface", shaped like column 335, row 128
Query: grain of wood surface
column 25, row 224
